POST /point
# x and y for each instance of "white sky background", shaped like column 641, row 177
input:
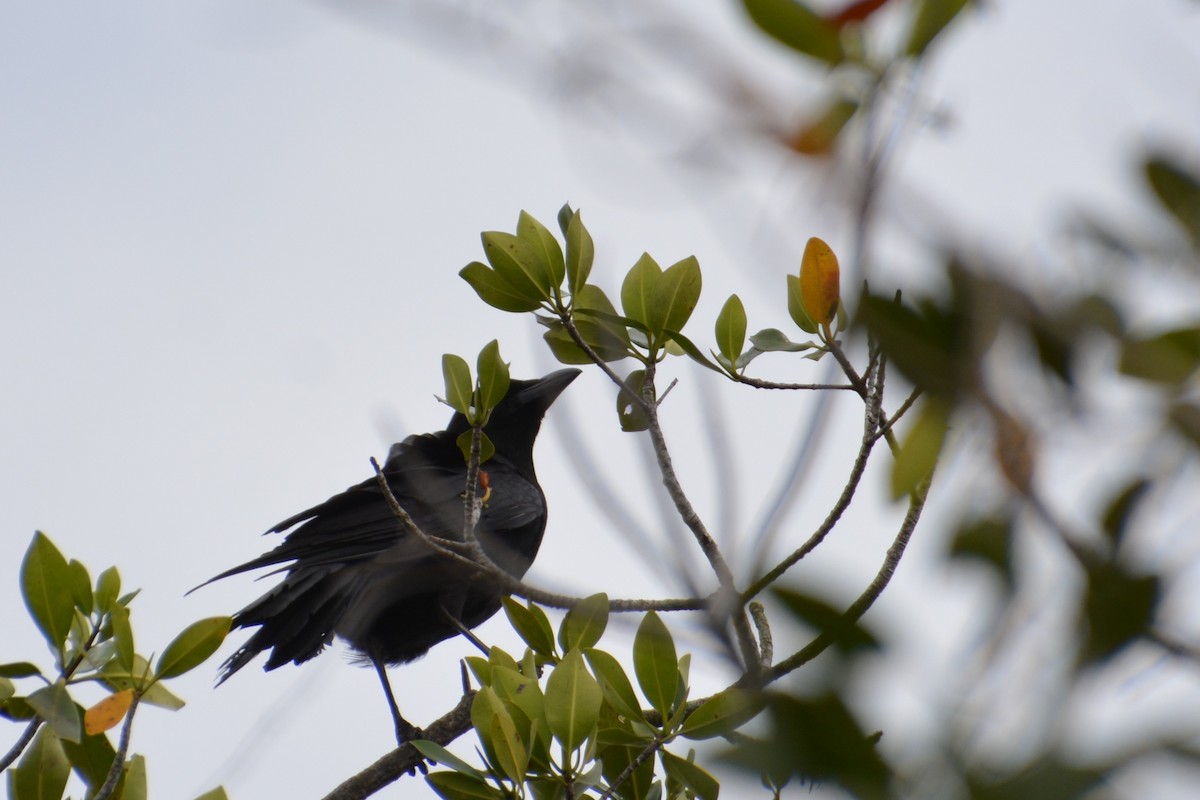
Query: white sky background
column 229, row 244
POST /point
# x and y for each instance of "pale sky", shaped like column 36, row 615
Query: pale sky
column 229, row 245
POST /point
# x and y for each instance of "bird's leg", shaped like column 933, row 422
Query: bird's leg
column 405, row 730
column 465, row 631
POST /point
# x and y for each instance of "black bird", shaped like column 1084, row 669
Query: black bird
column 352, row 571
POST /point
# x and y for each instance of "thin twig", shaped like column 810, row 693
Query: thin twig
column 766, row 645
column 759, row 383
column 625, row 774
column 118, row 762
column 22, row 742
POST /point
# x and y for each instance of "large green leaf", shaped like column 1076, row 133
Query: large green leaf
column 730, row 329
column 637, row 291
column 655, row 663
column 690, row 775
column 573, row 699
column 584, row 624
column 497, row 292
column 493, row 376
column 529, row 626
column 675, row 295
column 581, row 251
column 544, row 246
column 517, row 263
column 45, row 586
column 91, row 758
column 192, row 646
column 618, row 691
column 722, row 714
column 457, row 377
column 43, row 770
column 797, row 26
column 53, row 703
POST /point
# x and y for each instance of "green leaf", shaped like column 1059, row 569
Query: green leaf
column 730, row 329
column 1178, row 190
column 519, row 691
column 1170, row 357
column 493, row 376
column 795, row 25
column 43, row 770
column 45, row 586
column 214, row 794
column 637, row 291
column 1122, row 507
column 91, row 758
column 930, row 19
column 1185, row 418
column 629, row 411
column 122, row 634
column 848, row 637
column 675, row 339
column 486, row 706
column 615, row 685
column 584, row 624
column 440, row 755
column 459, row 390
column 518, row 264
column 655, row 663
column 7, row 689
column 722, row 714
column 675, row 295
column 495, row 291
column 920, row 449
column 53, row 703
column 81, row 586
column 987, row 540
column 573, row 699
column 544, row 246
column 930, row 346
column 117, row 677
column 457, row 786
column 1118, row 606
column 511, row 755
column 529, row 627
column 108, row 587
column 581, row 251
column 19, row 669
column 617, row 749
column 487, row 448
column 795, row 300
column 690, row 775
column 772, row 340
column 192, row 647
column 134, row 785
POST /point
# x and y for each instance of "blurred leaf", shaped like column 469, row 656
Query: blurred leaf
column 584, row 624
column 730, row 329
column 1170, row 357
column 989, row 540
column 214, row 794
column 926, row 346
column 44, row 574
column 820, row 282
column 849, row 637
column 820, row 133
column 544, row 246
column 53, row 703
column 495, row 291
column 629, row 411
column 529, row 627
column 929, row 20
column 1178, row 190
column 493, row 376
column 690, row 775
column 1048, row 779
column 440, row 755
column 18, row 669
column 7, row 689
column 108, row 586
column 573, row 699
column 43, row 769
column 920, row 449
column 638, row 291
column 581, row 251
column 676, row 293
column 91, row 759
column 1186, row 419
column 1117, row 608
column 722, row 714
column 655, row 663
column 614, row 683
column 108, row 713
column 798, row 27
column 457, row 786
column 518, row 264
column 855, row 12
column 193, row 646
column 1122, row 507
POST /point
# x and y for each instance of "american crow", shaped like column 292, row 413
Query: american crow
column 352, row 571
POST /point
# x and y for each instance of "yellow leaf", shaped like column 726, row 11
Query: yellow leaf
column 820, row 281
column 108, row 713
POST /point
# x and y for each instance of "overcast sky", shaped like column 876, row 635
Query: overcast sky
column 229, row 244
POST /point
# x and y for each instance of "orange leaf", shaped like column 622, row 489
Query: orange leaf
column 820, row 281
column 108, row 713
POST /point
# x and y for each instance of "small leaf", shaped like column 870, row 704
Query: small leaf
column 676, row 292
column 655, row 663
column 53, row 703
column 820, row 282
column 458, row 786
column 820, row 132
column 920, row 449
column 495, row 291
column 81, row 586
column 795, row 25
column 629, row 411
column 134, row 783
column 677, row 341
column 440, row 755
column 930, row 19
column 637, row 291
column 988, row 540
column 795, row 299
column 584, row 624
column 7, row 689
column 730, row 329
column 542, row 242
column 214, row 794
column 44, row 576
column 573, row 699
column 122, row 634
column 117, row 678
column 527, row 625
column 618, row 691
column 18, row 669
column 581, row 251
column 108, row 713
column 848, row 637
column 108, row 586
column 487, row 448
column 722, row 714
column 493, row 376
column 518, row 264
column 770, row 340
column 690, row 775
column 457, row 377
column 193, row 646
column 43, row 770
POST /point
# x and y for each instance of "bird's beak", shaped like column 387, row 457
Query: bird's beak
column 545, row 391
